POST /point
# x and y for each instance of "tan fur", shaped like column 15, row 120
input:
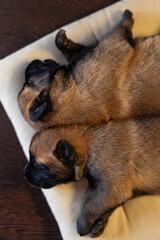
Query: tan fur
column 48, row 140
column 113, row 81
column 117, row 158
column 26, row 98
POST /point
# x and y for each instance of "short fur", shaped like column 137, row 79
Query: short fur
column 118, row 159
column 116, row 79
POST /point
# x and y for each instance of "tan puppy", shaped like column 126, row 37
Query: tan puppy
column 119, row 78
column 117, row 158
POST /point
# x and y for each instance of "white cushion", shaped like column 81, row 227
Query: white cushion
column 139, row 218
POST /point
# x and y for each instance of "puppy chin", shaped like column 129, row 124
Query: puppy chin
column 47, row 184
column 42, row 185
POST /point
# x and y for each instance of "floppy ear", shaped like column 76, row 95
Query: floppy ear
column 39, row 107
column 65, row 153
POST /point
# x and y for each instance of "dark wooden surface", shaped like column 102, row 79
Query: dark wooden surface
column 24, row 213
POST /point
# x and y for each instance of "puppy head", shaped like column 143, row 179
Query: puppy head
column 33, row 99
column 51, row 162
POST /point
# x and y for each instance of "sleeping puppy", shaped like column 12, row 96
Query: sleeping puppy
column 119, row 78
column 118, row 159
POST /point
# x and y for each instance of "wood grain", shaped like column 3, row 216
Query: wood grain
column 23, row 22
column 24, row 213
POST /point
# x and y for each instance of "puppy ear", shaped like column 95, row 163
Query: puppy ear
column 39, row 107
column 65, row 153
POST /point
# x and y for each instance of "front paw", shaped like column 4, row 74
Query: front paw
column 83, row 226
column 97, row 228
column 61, row 39
column 128, row 20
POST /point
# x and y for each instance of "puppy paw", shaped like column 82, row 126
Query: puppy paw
column 83, row 227
column 97, row 228
column 127, row 15
column 61, row 39
column 128, row 19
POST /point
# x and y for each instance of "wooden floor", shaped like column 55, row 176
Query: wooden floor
column 24, row 213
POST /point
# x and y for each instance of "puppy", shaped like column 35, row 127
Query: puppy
column 119, row 78
column 118, row 159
